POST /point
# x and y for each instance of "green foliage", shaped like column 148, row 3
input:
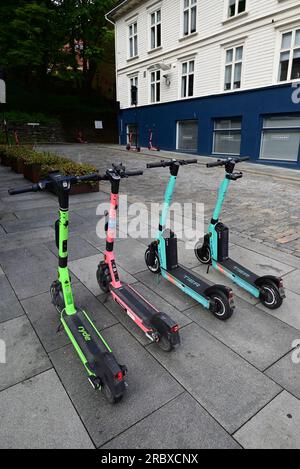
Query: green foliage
column 48, row 161
column 40, row 39
column 18, row 117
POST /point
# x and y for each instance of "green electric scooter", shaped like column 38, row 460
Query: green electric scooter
column 103, row 370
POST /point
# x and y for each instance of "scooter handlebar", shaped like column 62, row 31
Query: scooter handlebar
column 165, row 164
column 224, row 162
column 24, row 190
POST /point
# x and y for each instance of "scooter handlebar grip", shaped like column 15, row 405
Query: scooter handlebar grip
column 186, row 162
column 243, row 158
column 161, row 164
column 24, row 190
column 90, row 177
column 134, row 173
column 216, row 164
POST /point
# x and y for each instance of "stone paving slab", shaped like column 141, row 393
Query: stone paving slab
column 182, row 423
column 251, row 333
column 92, row 238
column 10, row 307
column 25, row 239
column 150, row 387
column 24, row 354
column 39, row 266
column 289, row 312
column 37, row 222
column 85, row 270
column 275, row 427
column 166, row 290
column 292, row 281
column 45, row 319
column 1, row 271
column 158, row 302
column 258, row 263
column 41, row 417
column 286, row 374
column 262, row 248
column 78, row 248
column 130, row 255
column 230, row 389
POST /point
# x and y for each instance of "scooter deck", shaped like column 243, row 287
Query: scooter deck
column 189, row 279
column 239, row 271
column 87, row 338
column 136, row 303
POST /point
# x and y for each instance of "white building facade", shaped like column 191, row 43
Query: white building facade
column 216, row 77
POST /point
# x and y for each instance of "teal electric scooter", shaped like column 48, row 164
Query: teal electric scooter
column 214, row 250
column 162, row 257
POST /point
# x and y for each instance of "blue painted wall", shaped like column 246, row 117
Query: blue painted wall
column 252, row 106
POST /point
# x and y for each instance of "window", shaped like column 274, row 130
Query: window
column 228, row 136
column 233, row 68
column 156, row 29
column 289, row 66
column 189, row 17
column 132, row 134
column 133, row 40
column 187, row 135
column 236, row 7
column 155, row 86
column 187, row 80
column 281, row 138
column 134, row 82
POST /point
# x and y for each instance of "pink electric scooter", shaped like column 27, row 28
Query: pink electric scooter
column 157, row 326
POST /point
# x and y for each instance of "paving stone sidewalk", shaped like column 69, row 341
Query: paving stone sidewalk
column 231, row 385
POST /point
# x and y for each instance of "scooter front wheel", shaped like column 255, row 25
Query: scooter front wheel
column 203, row 253
column 270, row 296
column 155, row 266
column 222, row 311
column 57, row 296
column 103, row 277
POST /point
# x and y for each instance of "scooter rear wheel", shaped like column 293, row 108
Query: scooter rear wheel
column 109, row 395
column 270, row 297
column 203, row 253
column 165, row 344
column 223, row 310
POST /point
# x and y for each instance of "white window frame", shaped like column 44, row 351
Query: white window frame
column 155, row 27
column 279, row 129
column 155, row 82
column 187, row 8
column 177, row 135
column 188, row 63
column 133, row 81
column 215, row 131
column 133, row 48
column 237, row 13
column 233, row 64
column 291, row 52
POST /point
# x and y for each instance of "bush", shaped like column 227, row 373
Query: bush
column 49, row 162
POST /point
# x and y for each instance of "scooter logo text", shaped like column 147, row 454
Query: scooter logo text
column 84, row 334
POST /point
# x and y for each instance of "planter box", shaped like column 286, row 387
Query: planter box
column 32, row 172
column 84, row 188
column 18, row 165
